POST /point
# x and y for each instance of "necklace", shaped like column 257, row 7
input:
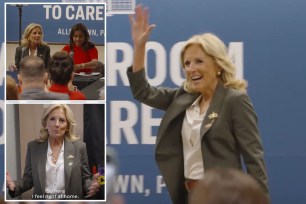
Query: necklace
column 58, row 152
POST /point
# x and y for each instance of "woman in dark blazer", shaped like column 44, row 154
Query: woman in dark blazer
column 209, row 121
column 32, row 44
column 56, row 163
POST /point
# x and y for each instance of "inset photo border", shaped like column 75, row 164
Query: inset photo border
column 55, row 152
column 42, row 29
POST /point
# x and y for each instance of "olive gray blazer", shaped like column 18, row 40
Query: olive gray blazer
column 229, row 131
column 77, row 174
column 43, row 51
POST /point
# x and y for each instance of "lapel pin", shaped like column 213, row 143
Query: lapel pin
column 213, row 115
column 208, row 125
column 70, row 156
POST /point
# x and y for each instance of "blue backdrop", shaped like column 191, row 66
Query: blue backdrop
column 57, row 20
column 273, row 35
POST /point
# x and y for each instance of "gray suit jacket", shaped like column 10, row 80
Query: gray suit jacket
column 43, row 51
column 41, row 94
column 226, row 137
column 77, row 175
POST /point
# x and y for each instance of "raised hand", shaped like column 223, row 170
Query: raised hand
column 139, row 26
column 140, row 34
column 9, row 182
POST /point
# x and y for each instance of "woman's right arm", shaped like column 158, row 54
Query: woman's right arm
column 9, row 182
column 26, row 183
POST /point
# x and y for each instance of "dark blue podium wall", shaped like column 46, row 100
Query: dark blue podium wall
column 273, row 35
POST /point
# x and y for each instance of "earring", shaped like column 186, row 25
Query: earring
column 218, row 73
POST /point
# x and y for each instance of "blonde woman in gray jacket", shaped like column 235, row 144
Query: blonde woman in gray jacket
column 208, row 122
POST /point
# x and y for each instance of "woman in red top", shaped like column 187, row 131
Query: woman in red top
column 61, row 73
column 84, row 52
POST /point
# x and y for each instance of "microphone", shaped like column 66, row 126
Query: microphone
column 19, row 5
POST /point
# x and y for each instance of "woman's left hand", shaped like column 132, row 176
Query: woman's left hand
column 77, row 67
column 94, row 187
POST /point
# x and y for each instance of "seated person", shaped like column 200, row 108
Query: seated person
column 33, row 78
column 61, row 73
column 84, row 52
column 32, row 44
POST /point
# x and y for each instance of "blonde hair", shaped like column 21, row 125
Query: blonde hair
column 215, row 48
column 70, row 135
column 27, row 32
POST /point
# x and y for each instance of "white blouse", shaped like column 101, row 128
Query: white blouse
column 193, row 160
column 55, row 174
column 34, row 54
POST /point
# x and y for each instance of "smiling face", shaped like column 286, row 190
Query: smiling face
column 201, row 69
column 56, row 124
column 35, row 36
column 78, row 38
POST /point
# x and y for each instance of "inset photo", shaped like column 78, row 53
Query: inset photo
column 55, row 152
column 55, row 51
